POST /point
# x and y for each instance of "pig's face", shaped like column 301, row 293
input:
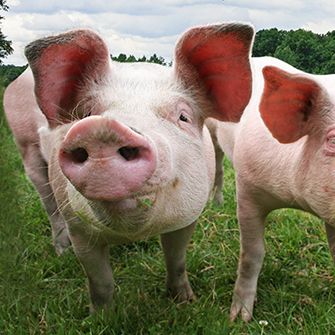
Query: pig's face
column 132, row 145
column 141, row 165
column 298, row 107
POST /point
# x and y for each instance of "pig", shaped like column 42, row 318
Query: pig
column 283, row 152
column 119, row 152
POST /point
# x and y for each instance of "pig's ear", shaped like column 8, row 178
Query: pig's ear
column 215, row 61
column 62, row 66
column 289, row 104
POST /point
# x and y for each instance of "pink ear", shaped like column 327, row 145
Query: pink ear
column 289, row 101
column 62, row 65
column 215, row 59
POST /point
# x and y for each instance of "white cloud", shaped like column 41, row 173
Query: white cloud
column 320, row 27
column 100, row 6
column 147, row 27
column 13, row 3
column 267, row 5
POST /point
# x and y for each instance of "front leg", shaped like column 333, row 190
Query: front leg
column 219, row 170
column 251, row 222
column 212, row 126
column 37, row 170
column 174, row 246
column 330, row 230
column 95, row 260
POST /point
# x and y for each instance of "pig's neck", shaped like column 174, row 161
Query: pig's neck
column 303, row 179
column 275, row 173
column 312, row 179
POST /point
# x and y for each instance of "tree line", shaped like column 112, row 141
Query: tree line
column 9, row 72
column 305, row 50
column 123, row 58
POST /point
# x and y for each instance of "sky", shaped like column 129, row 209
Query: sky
column 146, row 27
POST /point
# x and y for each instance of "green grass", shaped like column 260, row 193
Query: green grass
column 41, row 293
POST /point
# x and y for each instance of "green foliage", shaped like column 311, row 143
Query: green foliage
column 267, row 41
column 303, row 49
column 310, row 52
column 41, row 293
column 5, row 45
column 9, row 72
column 132, row 59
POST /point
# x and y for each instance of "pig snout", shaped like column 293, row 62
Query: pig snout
column 106, row 160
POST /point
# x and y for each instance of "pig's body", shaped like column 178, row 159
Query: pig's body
column 25, row 119
column 298, row 173
column 119, row 152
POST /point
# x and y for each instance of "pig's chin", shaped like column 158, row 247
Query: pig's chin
column 134, row 203
column 128, row 217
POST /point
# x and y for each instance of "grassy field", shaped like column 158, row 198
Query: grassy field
column 41, row 293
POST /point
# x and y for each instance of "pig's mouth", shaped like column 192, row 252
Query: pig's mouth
column 143, row 202
column 128, row 217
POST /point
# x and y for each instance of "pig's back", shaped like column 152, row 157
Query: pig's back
column 21, row 109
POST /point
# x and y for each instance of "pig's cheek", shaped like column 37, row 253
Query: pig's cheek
column 164, row 172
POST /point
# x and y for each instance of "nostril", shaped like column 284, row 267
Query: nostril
column 79, row 155
column 129, row 153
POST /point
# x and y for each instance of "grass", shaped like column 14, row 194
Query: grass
column 41, row 293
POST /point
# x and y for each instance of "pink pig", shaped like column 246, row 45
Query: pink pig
column 283, row 151
column 119, row 152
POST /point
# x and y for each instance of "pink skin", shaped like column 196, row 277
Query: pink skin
column 25, row 130
column 283, row 152
column 96, row 149
column 330, row 142
column 125, row 151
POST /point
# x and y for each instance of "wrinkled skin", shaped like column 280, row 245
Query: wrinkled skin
column 119, row 152
column 283, row 153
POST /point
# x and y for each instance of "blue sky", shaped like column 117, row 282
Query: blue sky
column 146, row 27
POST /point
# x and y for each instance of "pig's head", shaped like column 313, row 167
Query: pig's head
column 300, row 107
column 132, row 137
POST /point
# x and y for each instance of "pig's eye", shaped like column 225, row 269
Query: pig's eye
column 183, row 118
column 330, row 145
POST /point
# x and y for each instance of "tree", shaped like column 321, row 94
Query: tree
column 10, row 72
column 120, row 58
column 329, row 67
column 142, row 59
column 158, row 60
column 132, row 59
column 266, row 42
column 285, row 53
column 307, row 51
column 5, row 45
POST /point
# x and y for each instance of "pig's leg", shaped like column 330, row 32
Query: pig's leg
column 330, row 230
column 95, row 260
column 174, row 246
column 218, row 183
column 37, row 170
column 251, row 220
